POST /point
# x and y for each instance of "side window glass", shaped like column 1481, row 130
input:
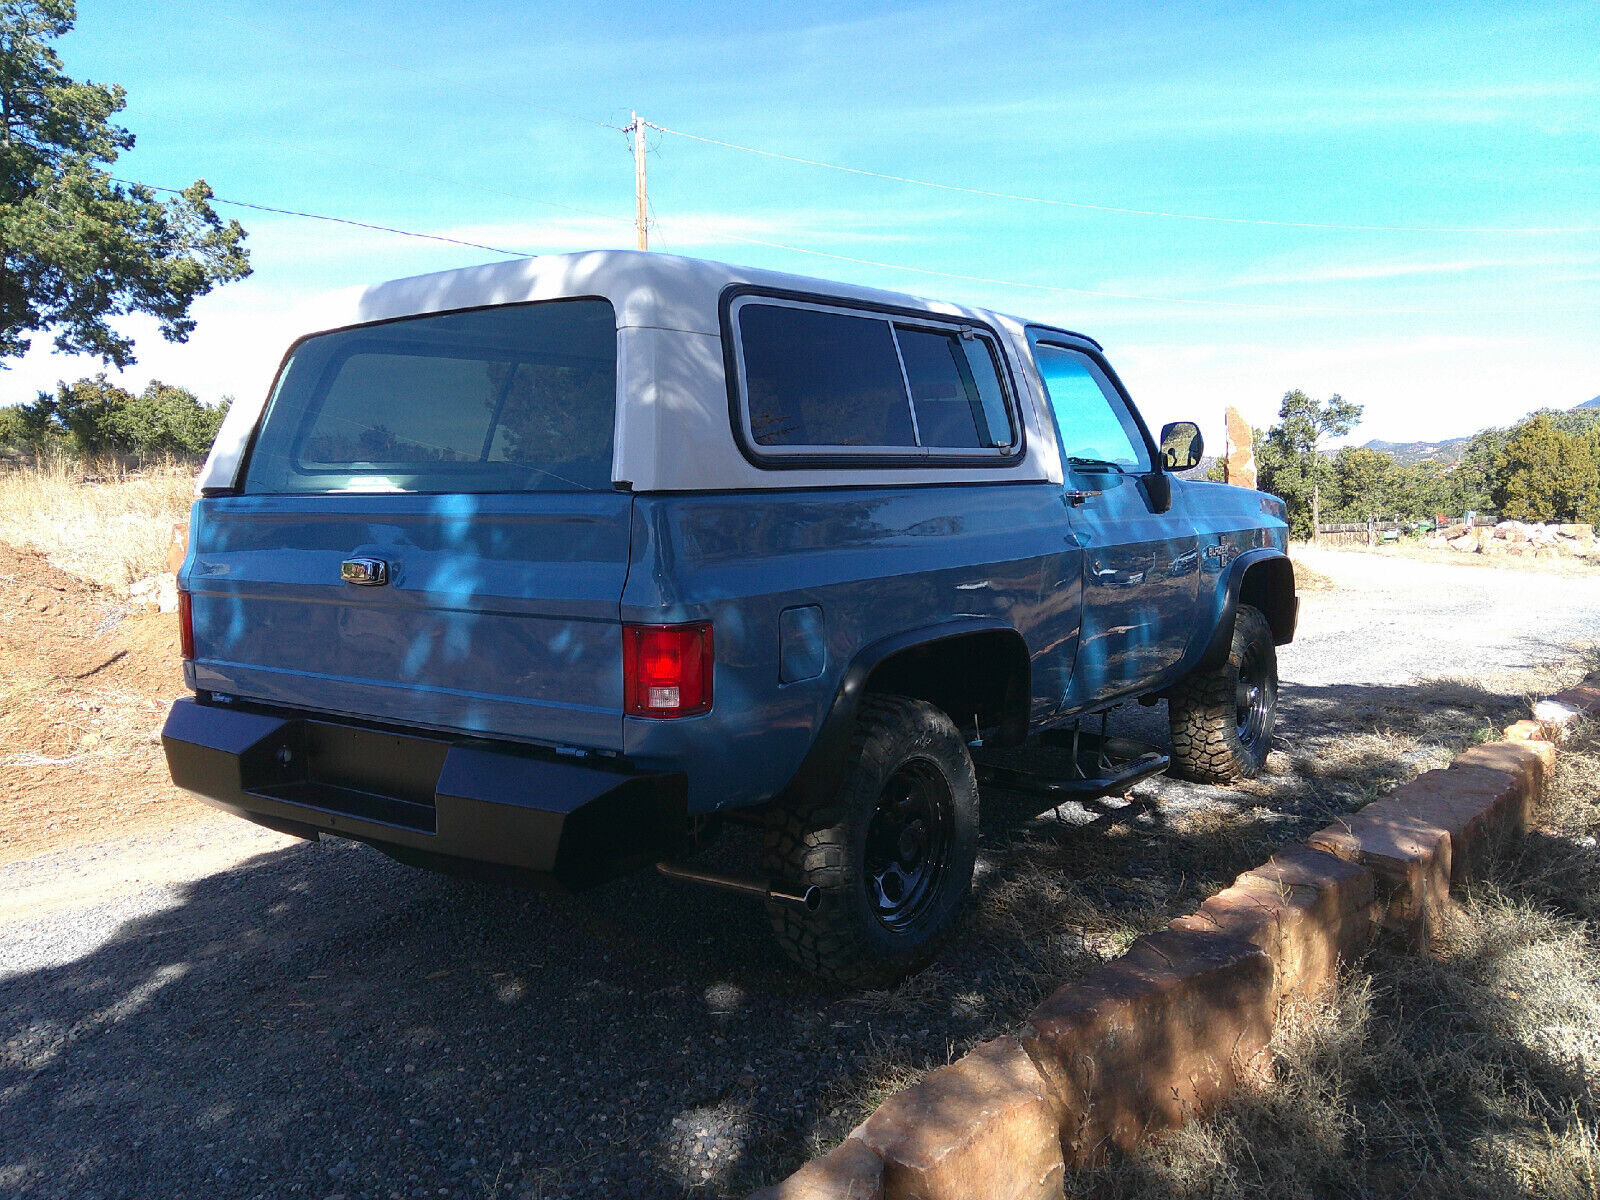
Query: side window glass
column 955, row 389
column 1093, row 423
column 822, row 379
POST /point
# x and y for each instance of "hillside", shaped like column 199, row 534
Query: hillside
column 1411, row 453
column 1595, row 403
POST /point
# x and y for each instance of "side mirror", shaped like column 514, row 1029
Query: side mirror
column 1181, row 446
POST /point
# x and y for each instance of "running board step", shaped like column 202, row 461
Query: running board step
column 1070, row 765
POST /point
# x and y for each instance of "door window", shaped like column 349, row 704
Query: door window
column 1094, row 426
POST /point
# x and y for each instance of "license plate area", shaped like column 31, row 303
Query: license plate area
column 363, row 773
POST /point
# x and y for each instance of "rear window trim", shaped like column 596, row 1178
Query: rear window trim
column 242, row 471
column 855, row 457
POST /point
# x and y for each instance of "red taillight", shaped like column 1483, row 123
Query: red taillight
column 185, row 627
column 666, row 670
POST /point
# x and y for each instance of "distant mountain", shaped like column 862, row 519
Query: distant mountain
column 1410, row 453
column 1595, row 403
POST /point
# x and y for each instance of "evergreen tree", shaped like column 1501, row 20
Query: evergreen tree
column 1546, row 474
column 1290, row 462
column 78, row 248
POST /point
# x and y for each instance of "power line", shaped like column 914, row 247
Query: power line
column 302, row 149
column 1111, row 208
column 290, row 212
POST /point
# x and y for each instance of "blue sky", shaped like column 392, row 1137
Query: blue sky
column 489, row 122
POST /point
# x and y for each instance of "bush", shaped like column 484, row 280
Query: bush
column 94, row 418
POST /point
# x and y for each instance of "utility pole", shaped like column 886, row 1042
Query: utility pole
column 641, row 221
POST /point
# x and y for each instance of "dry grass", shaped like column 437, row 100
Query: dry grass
column 1474, row 1073
column 106, row 526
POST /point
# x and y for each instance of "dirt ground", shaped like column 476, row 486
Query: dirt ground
column 85, row 682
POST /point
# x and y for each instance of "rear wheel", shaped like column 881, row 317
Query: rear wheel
column 1222, row 720
column 891, row 852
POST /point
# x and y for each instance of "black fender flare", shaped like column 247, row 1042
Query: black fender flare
column 1216, row 651
column 822, row 770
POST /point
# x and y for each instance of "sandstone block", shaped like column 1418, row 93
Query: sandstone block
column 177, row 546
column 1153, row 1039
column 1585, row 698
column 1410, row 858
column 983, row 1126
column 1466, row 543
column 1527, row 731
column 1529, row 760
column 1556, row 718
column 1308, row 910
column 1581, row 530
column 851, row 1171
column 1484, row 803
column 1239, row 451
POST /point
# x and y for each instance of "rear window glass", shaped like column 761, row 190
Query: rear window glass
column 822, row 379
column 514, row 398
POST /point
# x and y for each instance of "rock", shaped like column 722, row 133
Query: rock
column 1154, row 1038
column 1411, row 858
column 1467, row 544
column 1580, row 531
column 177, row 546
column 1239, row 463
column 850, row 1171
column 983, row 1126
column 1308, row 910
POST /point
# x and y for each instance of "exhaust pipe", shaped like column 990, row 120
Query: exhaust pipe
column 810, row 899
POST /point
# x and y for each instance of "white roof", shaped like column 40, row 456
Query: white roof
column 672, row 414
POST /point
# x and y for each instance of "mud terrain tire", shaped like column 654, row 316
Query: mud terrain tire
column 1222, row 720
column 891, row 852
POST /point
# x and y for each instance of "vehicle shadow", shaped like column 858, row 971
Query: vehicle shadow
column 320, row 1020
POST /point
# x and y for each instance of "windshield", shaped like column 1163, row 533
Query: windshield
column 514, row 398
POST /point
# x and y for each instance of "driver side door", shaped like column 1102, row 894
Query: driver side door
column 1140, row 553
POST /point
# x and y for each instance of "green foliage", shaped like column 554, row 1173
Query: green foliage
column 1547, row 474
column 1289, row 461
column 1366, row 484
column 94, row 418
column 1473, row 479
column 76, row 247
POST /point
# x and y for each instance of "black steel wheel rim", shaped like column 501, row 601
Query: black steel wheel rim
column 908, row 844
column 1253, row 698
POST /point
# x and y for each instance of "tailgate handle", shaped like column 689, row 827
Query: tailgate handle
column 364, row 572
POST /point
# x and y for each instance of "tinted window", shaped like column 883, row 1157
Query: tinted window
column 822, row 379
column 1091, row 419
column 955, row 389
column 517, row 398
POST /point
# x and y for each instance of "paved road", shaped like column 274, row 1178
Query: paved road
column 217, row 1011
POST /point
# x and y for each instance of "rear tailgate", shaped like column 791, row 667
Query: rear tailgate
column 499, row 615
column 426, row 531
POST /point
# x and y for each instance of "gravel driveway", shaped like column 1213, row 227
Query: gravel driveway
column 218, row 1011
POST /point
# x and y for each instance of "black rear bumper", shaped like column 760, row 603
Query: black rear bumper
column 425, row 797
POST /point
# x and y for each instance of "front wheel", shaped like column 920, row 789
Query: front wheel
column 1222, row 720
column 891, row 853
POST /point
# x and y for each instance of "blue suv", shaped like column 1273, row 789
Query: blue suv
column 551, row 568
